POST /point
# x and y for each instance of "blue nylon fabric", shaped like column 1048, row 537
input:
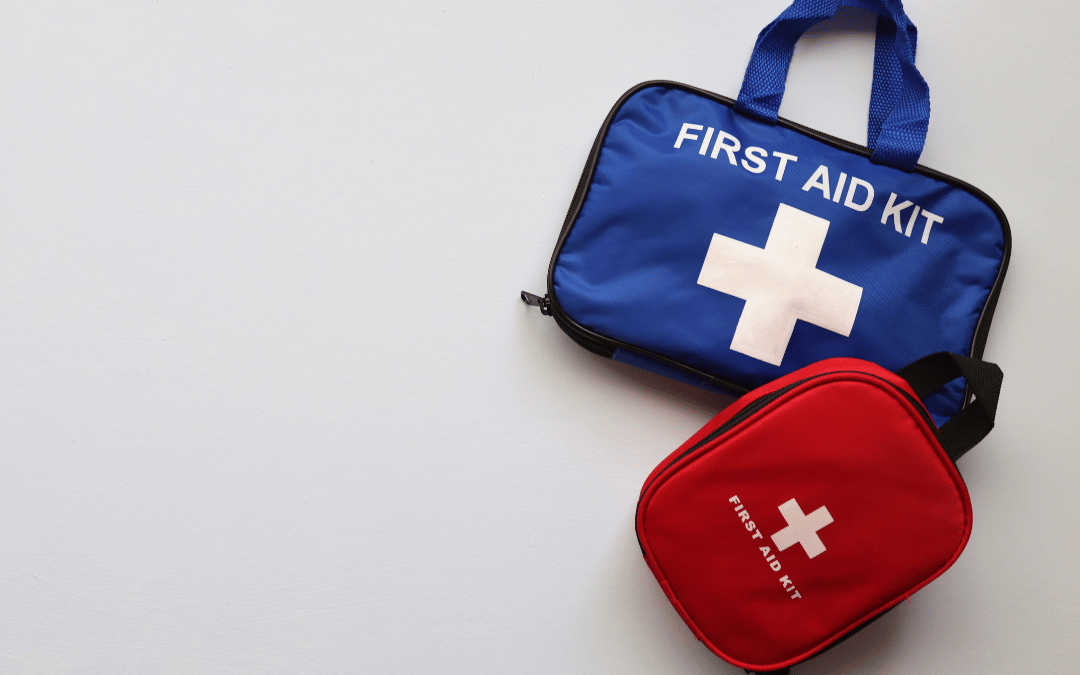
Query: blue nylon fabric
column 629, row 265
column 899, row 113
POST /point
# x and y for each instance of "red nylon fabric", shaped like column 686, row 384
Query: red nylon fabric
column 846, row 440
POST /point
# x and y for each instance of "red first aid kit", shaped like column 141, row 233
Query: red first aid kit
column 813, row 504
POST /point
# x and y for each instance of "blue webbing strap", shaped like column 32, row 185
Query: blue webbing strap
column 899, row 99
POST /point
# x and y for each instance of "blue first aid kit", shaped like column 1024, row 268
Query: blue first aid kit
column 712, row 241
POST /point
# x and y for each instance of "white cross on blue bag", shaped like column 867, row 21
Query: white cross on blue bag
column 714, row 242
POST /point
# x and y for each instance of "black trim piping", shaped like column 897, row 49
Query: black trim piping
column 757, row 404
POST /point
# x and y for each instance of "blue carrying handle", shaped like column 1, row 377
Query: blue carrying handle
column 899, row 99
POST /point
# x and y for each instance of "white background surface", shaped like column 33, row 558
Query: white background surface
column 269, row 402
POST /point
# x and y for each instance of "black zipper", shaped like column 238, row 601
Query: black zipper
column 762, row 401
column 536, row 301
column 606, row 346
column 736, row 419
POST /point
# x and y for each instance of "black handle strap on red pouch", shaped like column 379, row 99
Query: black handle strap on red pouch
column 976, row 419
column 966, row 428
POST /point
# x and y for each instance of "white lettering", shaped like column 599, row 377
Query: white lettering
column 894, row 211
column 839, row 187
column 911, row 221
column 756, row 156
column 705, row 143
column 685, row 134
column 930, row 220
column 850, row 200
column 729, row 149
column 766, row 551
column 819, row 180
column 784, row 159
column 847, row 189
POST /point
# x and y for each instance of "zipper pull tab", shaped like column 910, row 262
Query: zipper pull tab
column 536, row 301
